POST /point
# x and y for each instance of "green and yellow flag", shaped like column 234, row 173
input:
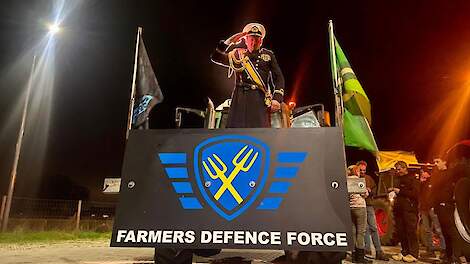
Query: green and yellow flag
column 357, row 110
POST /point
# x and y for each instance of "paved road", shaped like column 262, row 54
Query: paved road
column 99, row 252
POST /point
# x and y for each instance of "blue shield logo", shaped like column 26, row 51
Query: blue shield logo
column 231, row 172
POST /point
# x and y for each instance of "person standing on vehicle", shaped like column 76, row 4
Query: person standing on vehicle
column 255, row 69
column 406, row 212
column 371, row 228
column 259, row 82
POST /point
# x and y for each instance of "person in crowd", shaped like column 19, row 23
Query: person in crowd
column 357, row 203
column 371, row 228
column 406, row 212
column 429, row 221
column 443, row 182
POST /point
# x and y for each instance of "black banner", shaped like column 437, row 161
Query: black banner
column 234, row 188
column 148, row 92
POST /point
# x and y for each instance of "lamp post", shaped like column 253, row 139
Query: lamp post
column 53, row 29
column 19, row 142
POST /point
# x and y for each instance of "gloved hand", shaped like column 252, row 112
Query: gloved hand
column 238, row 45
column 275, row 106
column 234, row 38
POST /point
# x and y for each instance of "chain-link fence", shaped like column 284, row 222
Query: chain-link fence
column 52, row 214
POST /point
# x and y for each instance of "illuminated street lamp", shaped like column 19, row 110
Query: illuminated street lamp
column 19, row 143
column 53, row 29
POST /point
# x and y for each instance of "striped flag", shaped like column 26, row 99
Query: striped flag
column 354, row 97
column 356, row 117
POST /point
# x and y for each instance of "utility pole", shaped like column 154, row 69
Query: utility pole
column 18, row 149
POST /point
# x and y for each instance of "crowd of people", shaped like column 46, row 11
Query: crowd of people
column 417, row 205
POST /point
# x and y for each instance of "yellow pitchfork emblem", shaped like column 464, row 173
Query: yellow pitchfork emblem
column 220, row 172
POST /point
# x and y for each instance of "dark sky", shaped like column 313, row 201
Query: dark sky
column 412, row 58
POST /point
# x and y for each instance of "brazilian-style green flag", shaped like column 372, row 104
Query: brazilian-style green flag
column 357, row 132
column 354, row 97
column 357, row 110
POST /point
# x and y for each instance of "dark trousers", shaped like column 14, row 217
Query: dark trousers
column 445, row 214
column 455, row 245
column 406, row 220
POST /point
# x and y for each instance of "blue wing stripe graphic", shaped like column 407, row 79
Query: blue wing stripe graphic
column 291, row 157
column 279, row 187
column 177, row 173
column 190, row 203
column 271, row 203
column 172, row 158
column 286, row 172
column 182, row 187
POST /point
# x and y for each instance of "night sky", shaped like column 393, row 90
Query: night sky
column 411, row 57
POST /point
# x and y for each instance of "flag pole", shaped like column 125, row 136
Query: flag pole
column 337, row 89
column 19, row 143
column 134, row 76
column 334, row 75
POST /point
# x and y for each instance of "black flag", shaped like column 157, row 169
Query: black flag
column 148, row 92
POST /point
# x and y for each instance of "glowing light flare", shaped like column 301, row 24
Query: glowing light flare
column 42, row 94
column 292, row 105
column 53, row 28
column 448, row 119
column 305, row 60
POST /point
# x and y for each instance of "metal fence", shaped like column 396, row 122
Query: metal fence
column 53, row 214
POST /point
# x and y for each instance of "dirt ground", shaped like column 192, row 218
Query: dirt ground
column 95, row 252
column 83, row 252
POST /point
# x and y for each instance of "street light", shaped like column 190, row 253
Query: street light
column 54, row 28
column 6, row 213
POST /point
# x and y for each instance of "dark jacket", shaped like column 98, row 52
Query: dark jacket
column 409, row 187
column 370, row 183
column 425, row 195
column 442, row 190
column 247, row 108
